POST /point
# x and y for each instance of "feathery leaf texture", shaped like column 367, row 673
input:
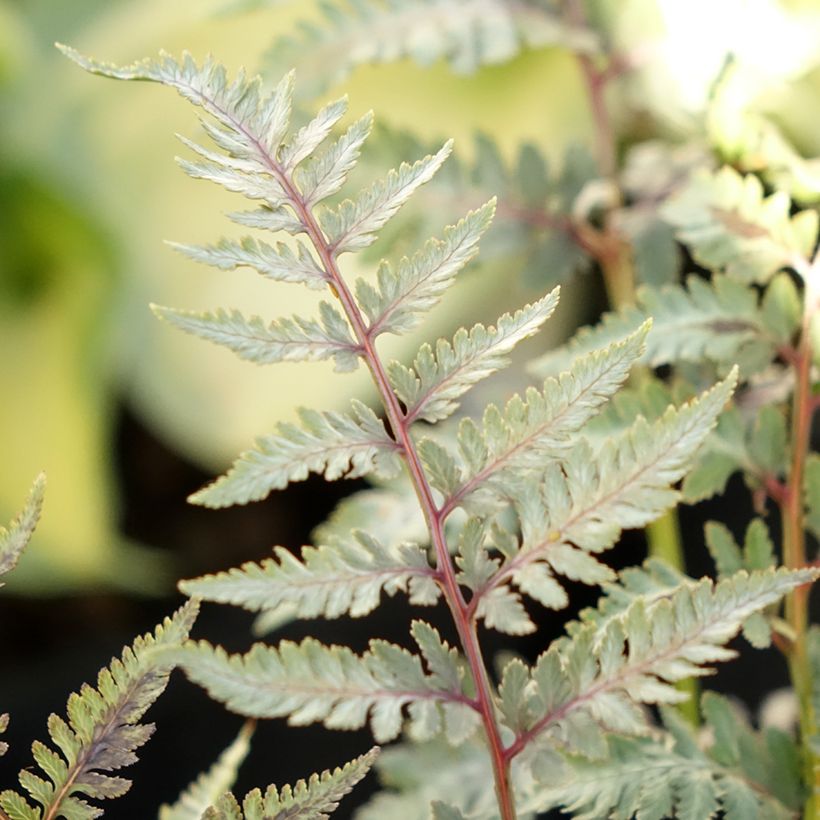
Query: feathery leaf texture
column 439, row 377
column 344, row 577
column 592, row 681
column 15, row 537
column 315, row 799
column 281, row 340
column 418, row 281
column 727, row 223
column 670, row 775
column 211, row 785
column 537, row 425
column 718, row 321
column 103, row 730
column 332, row 444
column 467, row 33
column 310, row 682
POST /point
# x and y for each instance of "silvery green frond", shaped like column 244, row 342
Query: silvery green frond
column 717, row 320
column 268, row 218
column 103, row 730
column 291, row 339
column 279, row 262
column 344, row 577
column 467, row 33
column 310, row 683
column 729, row 225
column 419, row 280
column 594, row 680
column 15, row 537
column 324, row 175
column 431, row 389
column 353, row 223
column 333, row 444
column 4, row 724
column 444, row 811
column 539, row 424
column 315, row 799
column 211, row 785
column 415, row 775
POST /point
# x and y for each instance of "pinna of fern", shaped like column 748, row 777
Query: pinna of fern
column 570, row 496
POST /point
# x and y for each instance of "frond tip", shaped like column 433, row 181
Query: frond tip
column 15, row 537
column 103, row 730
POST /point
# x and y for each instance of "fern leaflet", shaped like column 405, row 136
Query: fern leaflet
column 15, row 537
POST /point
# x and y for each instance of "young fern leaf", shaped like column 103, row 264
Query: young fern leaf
column 15, row 537
column 315, row 800
column 282, row 340
column 725, row 220
column 332, row 444
column 467, row 33
column 310, row 682
column 347, row 576
column 103, row 730
column 537, row 426
column 211, row 785
column 431, row 388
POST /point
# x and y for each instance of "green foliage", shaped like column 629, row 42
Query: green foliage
column 103, row 730
column 15, row 537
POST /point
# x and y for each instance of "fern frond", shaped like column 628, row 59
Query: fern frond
column 103, row 730
column 15, row 537
column 592, row 681
column 353, row 223
column 315, row 800
column 430, row 389
column 310, row 682
column 211, row 785
column 729, row 225
column 539, row 424
column 418, row 282
column 467, row 33
column 718, row 321
column 333, row 444
column 4, row 724
column 345, row 577
column 278, row 262
column 281, row 340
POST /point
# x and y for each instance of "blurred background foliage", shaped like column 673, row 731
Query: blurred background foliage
column 88, row 191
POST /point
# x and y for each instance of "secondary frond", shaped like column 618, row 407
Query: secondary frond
column 343, row 577
column 729, row 225
column 332, row 444
column 15, row 537
column 103, row 731
column 594, row 680
column 431, row 389
column 211, row 785
column 281, row 340
column 315, row 799
column 310, row 683
column 467, row 33
column 539, row 424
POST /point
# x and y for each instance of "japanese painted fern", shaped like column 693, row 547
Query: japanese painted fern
column 514, row 502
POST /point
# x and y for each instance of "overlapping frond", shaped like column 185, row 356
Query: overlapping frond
column 594, row 680
column 536, row 425
column 438, row 378
column 333, row 444
column 728, row 223
column 343, row 577
column 310, row 682
column 213, row 784
column 466, row 33
column 15, row 537
column 281, row 340
column 103, row 730
column 315, row 799
column 717, row 320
